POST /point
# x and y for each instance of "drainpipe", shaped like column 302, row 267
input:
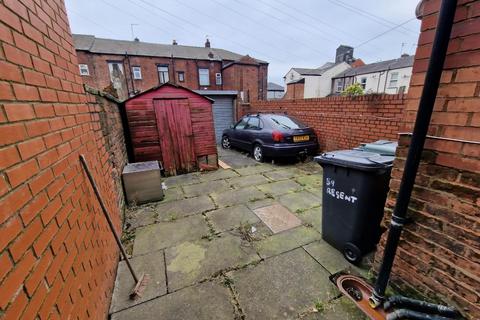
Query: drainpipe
column 130, row 72
column 385, row 83
column 425, row 109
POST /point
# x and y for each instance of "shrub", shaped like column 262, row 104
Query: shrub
column 353, row 90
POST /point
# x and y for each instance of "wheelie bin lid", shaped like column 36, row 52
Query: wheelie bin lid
column 361, row 160
column 383, row 147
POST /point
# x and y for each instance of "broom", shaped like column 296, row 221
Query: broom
column 140, row 282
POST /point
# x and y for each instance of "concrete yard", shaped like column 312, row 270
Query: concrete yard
column 210, row 256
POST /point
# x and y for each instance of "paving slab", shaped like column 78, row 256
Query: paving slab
column 283, row 174
column 182, row 179
column 233, row 197
column 218, row 175
column 152, row 264
column 172, row 194
column 231, row 217
column 279, row 187
column 236, row 159
column 182, row 208
column 286, row 241
column 259, row 168
column 277, row 218
column 261, row 203
column 300, row 201
column 330, row 258
column 206, row 301
column 341, row 308
column 140, row 216
column 166, row 234
column 246, row 181
column 313, row 217
column 282, row 286
column 205, row 188
column 310, row 167
column 193, row 261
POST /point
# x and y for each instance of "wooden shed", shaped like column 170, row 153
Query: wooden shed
column 173, row 125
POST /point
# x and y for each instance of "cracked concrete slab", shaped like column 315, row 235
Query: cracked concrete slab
column 172, row 194
column 330, row 258
column 165, row 234
column 182, row 179
column 312, row 216
column 139, row 217
column 205, row 188
column 231, row 217
column 206, row 301
column 193, row 261
column 233, row 197
column 260, row 168
column 151, row 264
column 282, row 286
column 299, row 201
column 182, row 208
column 217, row 175
column 279, row 187
column 246, row 181
column 341, row 308
column 286, row 241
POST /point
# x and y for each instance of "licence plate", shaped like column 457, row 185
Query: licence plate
column 300, row 138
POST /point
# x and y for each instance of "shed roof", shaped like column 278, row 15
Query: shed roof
column 93, row 44
column 217, row 92
column 167, row 84
column 271, row 86
column 402, row 62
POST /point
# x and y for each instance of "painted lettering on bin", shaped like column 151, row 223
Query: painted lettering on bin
column 338, row 194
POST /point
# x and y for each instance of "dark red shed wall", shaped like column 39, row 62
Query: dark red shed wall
column 143, row 128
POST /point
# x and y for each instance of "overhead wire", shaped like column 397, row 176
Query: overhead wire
column 383, row 33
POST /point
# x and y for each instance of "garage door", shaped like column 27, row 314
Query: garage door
column 222, row 114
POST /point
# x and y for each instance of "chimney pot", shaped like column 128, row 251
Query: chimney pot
column 207, row 43
column 136, row 40
column 174, row 42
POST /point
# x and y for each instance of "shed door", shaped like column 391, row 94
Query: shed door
column 222, row 115
column 175, row 135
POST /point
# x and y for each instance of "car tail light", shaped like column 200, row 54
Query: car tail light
column 277, row 136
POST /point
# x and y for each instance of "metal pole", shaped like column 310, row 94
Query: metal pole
column 425, row 109
column 107, row 216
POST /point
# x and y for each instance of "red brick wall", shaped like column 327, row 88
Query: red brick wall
column 342, row 122
column 294, row 91
column 439, row 255
column 251, row 79
column 57, row 257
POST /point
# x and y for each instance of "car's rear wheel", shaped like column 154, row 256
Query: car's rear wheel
column 258, row 153
column 226, row 142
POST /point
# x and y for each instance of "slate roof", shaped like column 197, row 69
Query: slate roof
column 274, row 87
column 110, row 46
column 314, row 72
column 402, row 62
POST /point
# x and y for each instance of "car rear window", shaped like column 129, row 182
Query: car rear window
column 285, row 122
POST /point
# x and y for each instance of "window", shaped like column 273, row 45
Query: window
column 363, row 83
column 181, row 76
column 253, row 123
column 285, row 122
column 83, row 70
column 163, row 74
column 339, row 85
column 218, row 79
column 116, row 70
column 242, row 123
column 137, row 73
column 203, row 77
column 393, row 80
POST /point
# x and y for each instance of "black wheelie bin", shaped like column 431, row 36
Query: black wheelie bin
column 355, row 186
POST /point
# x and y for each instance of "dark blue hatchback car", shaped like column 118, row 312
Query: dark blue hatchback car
column 271, row 135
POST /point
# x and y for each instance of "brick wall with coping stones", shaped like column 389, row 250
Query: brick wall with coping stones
column 342, row 122
column 439, row 254
column 57, row 256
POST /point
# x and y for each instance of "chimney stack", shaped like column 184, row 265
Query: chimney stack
column 174, row 42
column 344, row 54
column 207, row 43
column 136, row 40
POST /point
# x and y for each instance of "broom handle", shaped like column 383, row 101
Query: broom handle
column 107, row 216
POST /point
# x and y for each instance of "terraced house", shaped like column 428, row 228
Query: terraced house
column 130, row 67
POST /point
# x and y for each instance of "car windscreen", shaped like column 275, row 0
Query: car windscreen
column 284, row 122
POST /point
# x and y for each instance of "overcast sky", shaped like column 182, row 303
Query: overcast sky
column 286, row 33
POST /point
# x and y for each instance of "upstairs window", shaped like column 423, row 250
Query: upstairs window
column 363, row 83
column 163, row 74
column 181, row 76
column 137, row 73
column 203, row 77
column 393, row 80
column 83, row 70
column 218, row 79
